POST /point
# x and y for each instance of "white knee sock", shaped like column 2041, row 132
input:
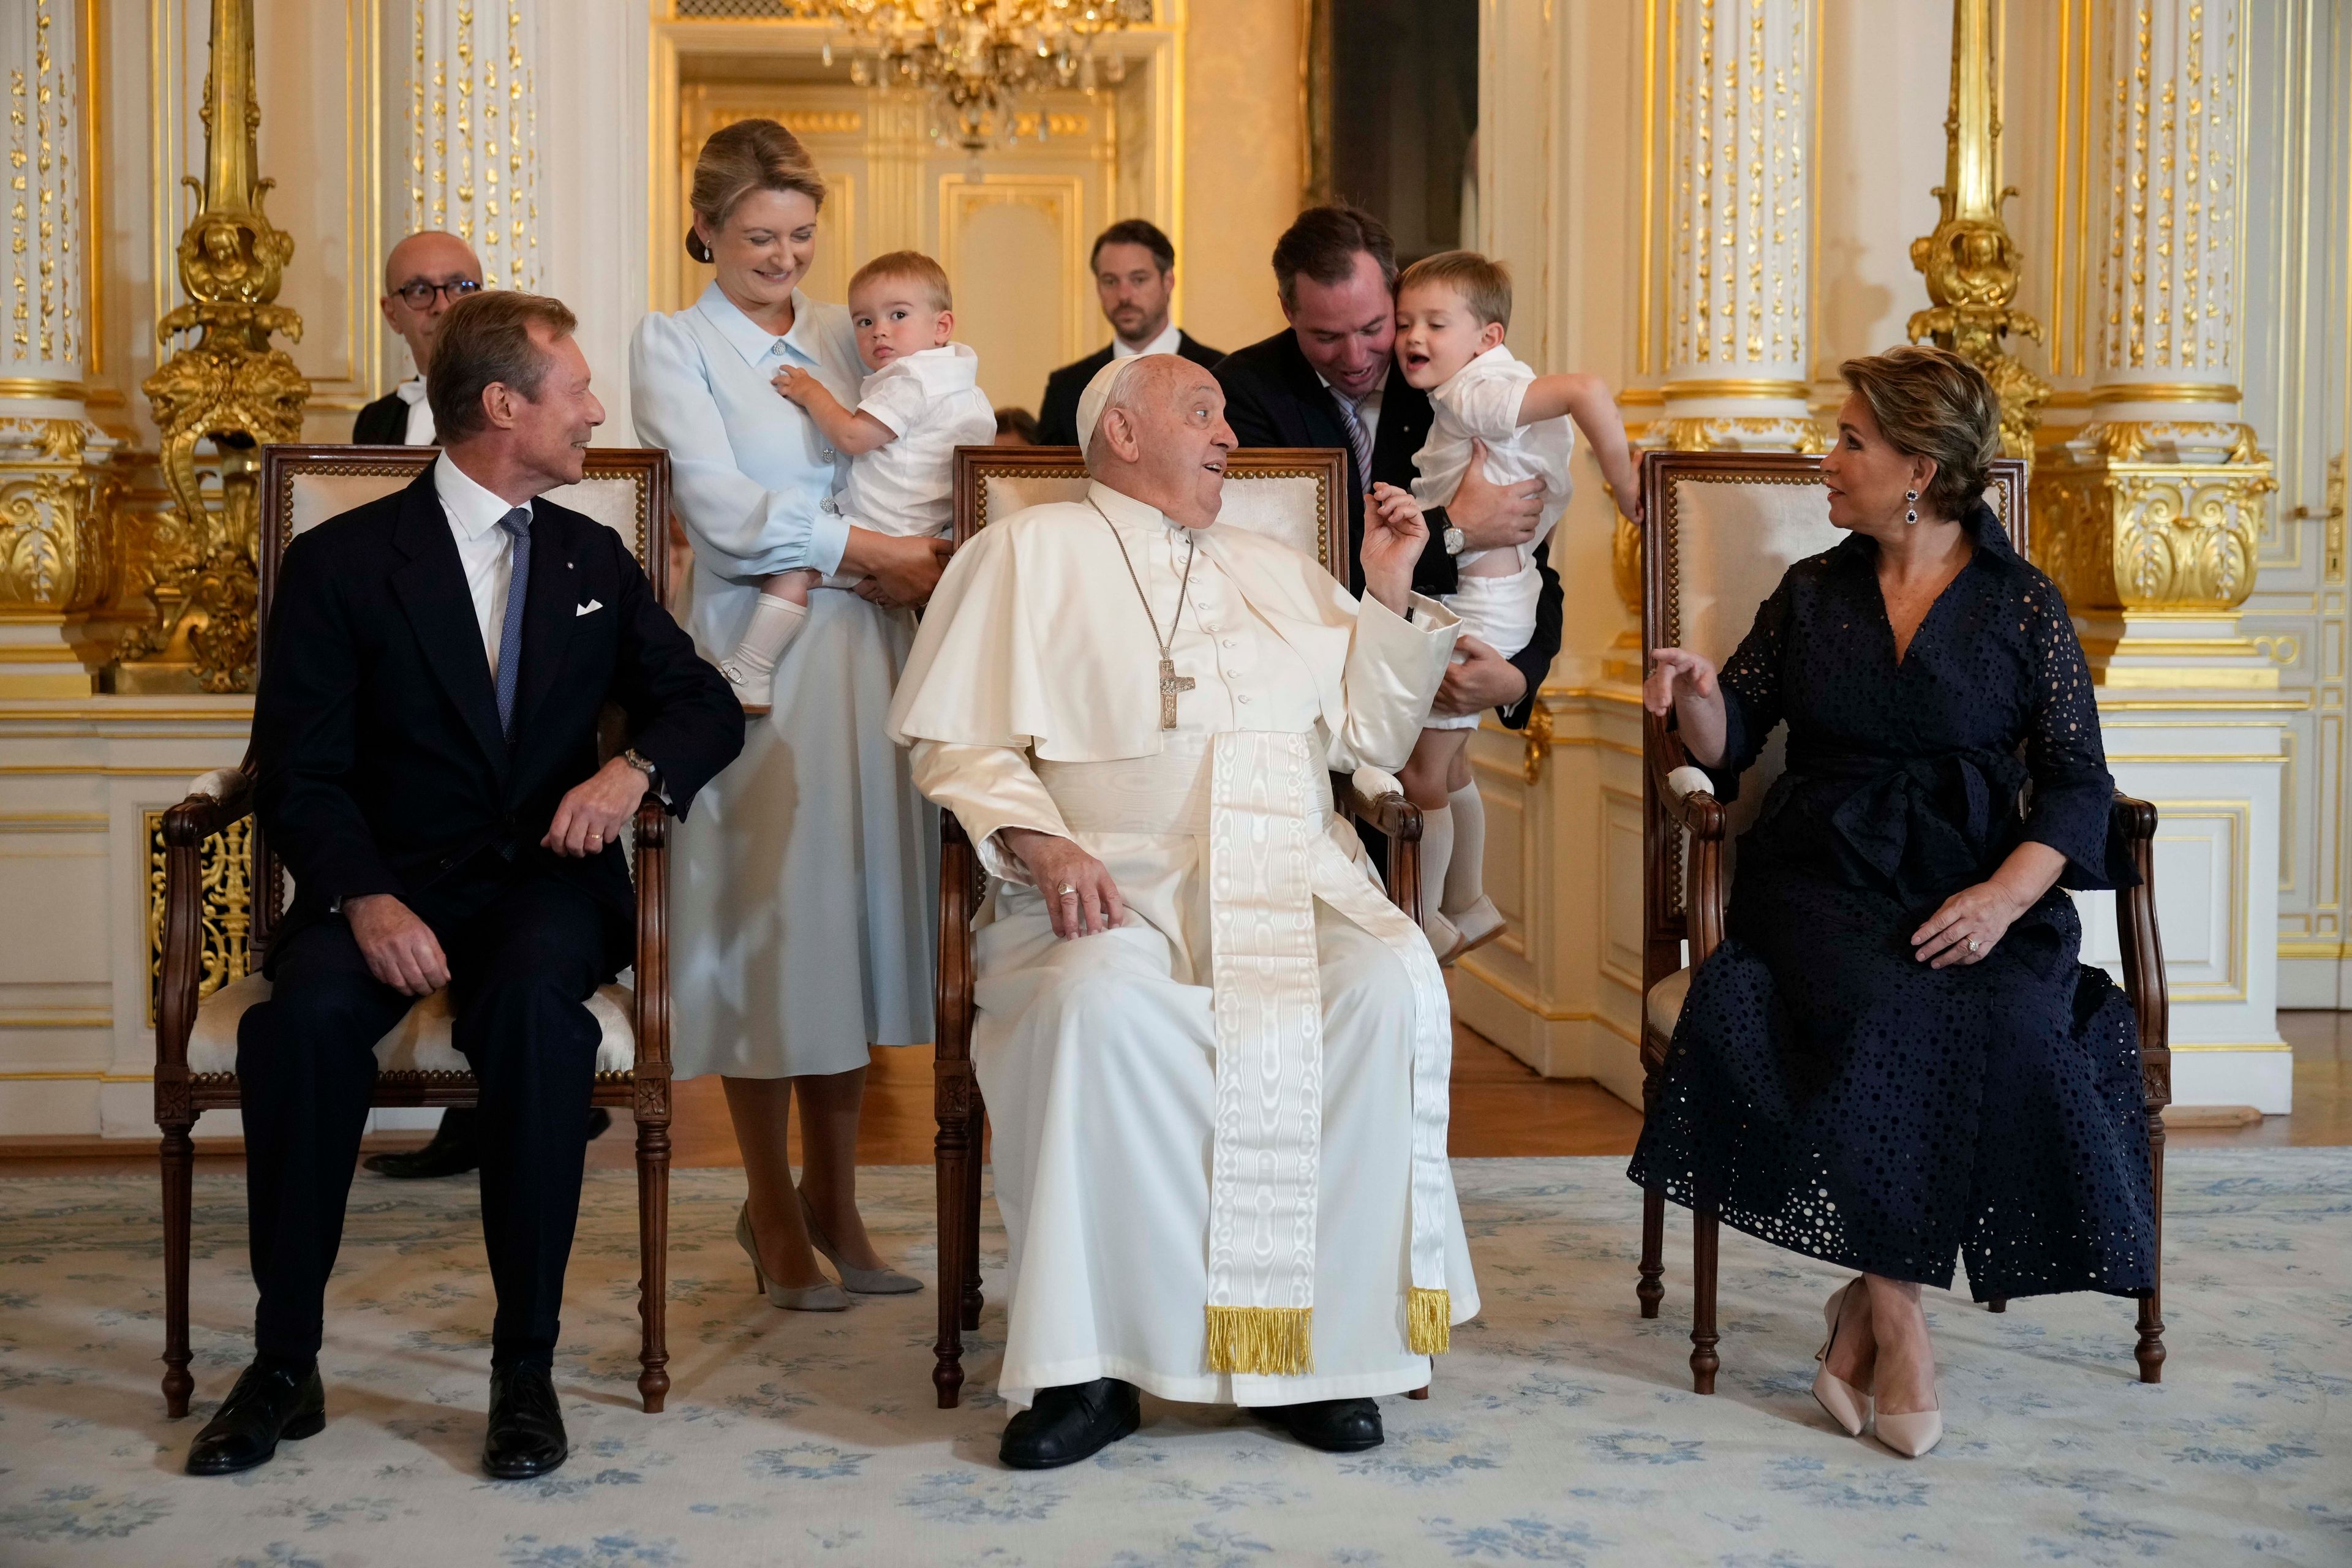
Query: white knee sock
column 1436, row 850
column 1466, row 877
column 774, row 622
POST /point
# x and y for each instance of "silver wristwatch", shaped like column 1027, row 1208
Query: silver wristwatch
column 637, row 760
column 1454, row 540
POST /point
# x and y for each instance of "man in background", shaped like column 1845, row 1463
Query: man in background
column 1135, row 278
column 425, row 274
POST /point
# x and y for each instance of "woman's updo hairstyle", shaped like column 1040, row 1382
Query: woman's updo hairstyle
column 1931, row 403
column 748, row 155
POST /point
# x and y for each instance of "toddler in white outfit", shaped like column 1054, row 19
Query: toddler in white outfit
column 920, row 401
column 1452, row 312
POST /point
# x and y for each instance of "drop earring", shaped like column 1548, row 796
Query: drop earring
column 1911, row 513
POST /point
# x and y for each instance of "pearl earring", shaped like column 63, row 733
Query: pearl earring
column 1912, row 514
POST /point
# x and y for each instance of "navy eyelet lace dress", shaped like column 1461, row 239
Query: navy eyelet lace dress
column 1824, row 1089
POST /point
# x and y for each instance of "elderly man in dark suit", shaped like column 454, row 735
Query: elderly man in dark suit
column 1135, row 280
column 1329, row 379
column 425, row 274
column 425, row 739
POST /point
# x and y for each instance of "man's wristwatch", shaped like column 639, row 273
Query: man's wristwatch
column 637, row 760
column 1454, row 540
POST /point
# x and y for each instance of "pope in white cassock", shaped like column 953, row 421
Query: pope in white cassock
column 1214, row 1055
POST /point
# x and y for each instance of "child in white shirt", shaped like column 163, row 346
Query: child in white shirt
column 1452, row 312
column 920, row 402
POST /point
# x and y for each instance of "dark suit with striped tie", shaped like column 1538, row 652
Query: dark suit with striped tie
column 393, row 758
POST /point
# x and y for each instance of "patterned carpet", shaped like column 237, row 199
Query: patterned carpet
column 1561, row 1428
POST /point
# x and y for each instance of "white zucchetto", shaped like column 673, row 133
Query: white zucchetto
column 1099, row 395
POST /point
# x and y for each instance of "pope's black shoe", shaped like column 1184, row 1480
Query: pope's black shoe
column 526, row 1434
column 1071, row 1422
column 453, row 1151
column 270, row 1403
column 1334, row 1425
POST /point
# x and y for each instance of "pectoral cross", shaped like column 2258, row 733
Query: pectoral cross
column 1170, row 683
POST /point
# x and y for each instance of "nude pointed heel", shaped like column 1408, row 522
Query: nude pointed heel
column 864, row 1281
column 1847, row 1405
column 1914, row 1432
column 822, row 1297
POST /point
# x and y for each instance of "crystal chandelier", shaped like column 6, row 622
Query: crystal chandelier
column 977, row 58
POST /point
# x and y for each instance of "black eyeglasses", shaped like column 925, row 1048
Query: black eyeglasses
column 419, row 295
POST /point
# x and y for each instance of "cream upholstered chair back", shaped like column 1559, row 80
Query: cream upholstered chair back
column 1290, row 494
column 626, row 489
column 1722, row 529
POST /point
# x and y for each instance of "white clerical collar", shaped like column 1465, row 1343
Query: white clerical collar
column 411, row 392
column 753, row 341
column 1125, row 509
column 474, row 509
column 1167, row 342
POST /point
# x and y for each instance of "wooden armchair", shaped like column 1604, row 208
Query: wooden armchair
column 1720, row 528
column 195, row 1037
column 1293, row 495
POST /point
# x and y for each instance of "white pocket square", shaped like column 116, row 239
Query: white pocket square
column 590, row 608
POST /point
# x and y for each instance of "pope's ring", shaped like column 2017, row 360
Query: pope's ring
column 1066, row 890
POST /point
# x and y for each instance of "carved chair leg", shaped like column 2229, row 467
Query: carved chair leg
column 1703, row 1358
column 653, row 1247
column 178, row 1155
column 2150, row 1352
column 975, row 1139
column 1652, row 1290
column 952, row 1156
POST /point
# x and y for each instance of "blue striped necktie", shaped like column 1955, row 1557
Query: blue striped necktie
column 1358, row 441
column 518, row 525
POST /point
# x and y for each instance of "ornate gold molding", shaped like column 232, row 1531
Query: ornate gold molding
column 2119, row 535
column 2165, row 392
column 224, row 923
column 1737, row 433
column 231, row 387
column 1970, row 263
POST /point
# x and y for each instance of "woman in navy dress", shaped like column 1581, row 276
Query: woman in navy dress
column 1894, row 1056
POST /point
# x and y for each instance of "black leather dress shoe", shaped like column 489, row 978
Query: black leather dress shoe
column 1071, row 1422
column 526, row 1434
column 1334, row 1425
column 268, row 1405
column 453, row 1152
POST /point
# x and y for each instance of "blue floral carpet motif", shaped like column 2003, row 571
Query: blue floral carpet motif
column 1560, row 1430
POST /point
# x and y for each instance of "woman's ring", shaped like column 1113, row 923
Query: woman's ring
column 1972, row 944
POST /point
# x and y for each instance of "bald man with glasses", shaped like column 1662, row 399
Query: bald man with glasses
column 425, row 274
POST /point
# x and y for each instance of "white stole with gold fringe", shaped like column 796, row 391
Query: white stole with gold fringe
column 1270, row 858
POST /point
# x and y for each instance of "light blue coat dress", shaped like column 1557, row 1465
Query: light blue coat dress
column 803, row 894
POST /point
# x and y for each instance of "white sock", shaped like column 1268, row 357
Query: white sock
column 1436, row 850
column 774, row 622
column 1466, row 878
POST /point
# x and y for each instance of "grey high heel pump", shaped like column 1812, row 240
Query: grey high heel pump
column 864, row 1281
column 824, row 1296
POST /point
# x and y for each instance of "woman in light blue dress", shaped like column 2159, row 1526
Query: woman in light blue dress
column 803, row 898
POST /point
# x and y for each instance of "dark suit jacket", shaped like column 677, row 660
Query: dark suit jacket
column 383, row 423
column 375, row 725
column 1273, row 398
column 1057, row 417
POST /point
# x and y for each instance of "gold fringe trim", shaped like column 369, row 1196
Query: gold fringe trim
column 1272, row 1342
column 1428, row 1321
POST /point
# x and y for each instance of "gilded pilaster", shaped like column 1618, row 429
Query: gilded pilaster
column 2147, row 513
column 54, row 487
column 1739, row 227
column 473, row 130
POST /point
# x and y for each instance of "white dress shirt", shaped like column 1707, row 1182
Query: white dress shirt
column 1167, row 342
column 420, row 413
column 932, row 403
column 484, row 549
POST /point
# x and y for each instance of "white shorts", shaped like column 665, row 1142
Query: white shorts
column 1499, row 612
